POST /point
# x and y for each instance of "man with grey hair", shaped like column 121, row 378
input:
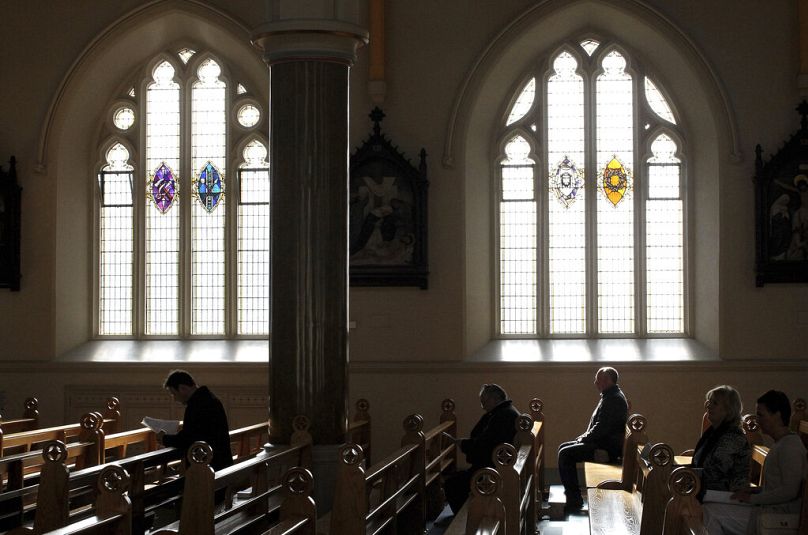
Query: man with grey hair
column 606, row 431
column 496, row 426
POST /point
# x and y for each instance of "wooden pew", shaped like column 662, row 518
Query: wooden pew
column 198, row 515
column 516, row 467
column 150, row 489
column 640, row 511
column 389, row 494
column 485, row 511
column 441, row 457
column 29, row 419
column 30, row 440
column 519, row 469
column 611, row 476
column 359, row 429
column 683, row 514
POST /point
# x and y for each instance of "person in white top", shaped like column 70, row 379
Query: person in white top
column 785, row 469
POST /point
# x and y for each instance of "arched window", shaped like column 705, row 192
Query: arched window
column 183, row 218
column 591, row 204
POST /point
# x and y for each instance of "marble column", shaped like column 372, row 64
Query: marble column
column 309, row 64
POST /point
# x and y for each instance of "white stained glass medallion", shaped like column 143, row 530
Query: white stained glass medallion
column 523, row 102
column 567, row 181
column 240, row 89
column 657, row 101
column 124, row 118
column 185, row 54
column 248, row 115
column 590, row 45
column 131, row 92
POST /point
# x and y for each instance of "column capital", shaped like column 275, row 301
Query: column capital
column 306, row 39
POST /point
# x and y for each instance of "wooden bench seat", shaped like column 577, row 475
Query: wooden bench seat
column 641, row 509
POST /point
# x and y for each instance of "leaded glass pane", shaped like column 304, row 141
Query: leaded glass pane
column 517, row 212
column 185, row 54
column 664, row 247
column 523, row 102
column 208, row 150
column 253, row 242
column 517, row 171
column 248, row 115
column 663, row 170
column 589, row 45
column 615, row 213
column 124, row 118
column 567, row 198
column 116, row 245
column 657, row 101
column 240, row 89
column 162, row 226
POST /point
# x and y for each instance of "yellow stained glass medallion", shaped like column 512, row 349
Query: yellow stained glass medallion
column 615, row 181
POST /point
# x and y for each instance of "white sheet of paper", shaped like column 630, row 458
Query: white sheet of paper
column 169, row 427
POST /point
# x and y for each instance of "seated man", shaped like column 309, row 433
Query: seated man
column 496, row 426
column 606, row 431
column 205, row 419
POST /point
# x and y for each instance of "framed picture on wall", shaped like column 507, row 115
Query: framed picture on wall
column 781, row 209
column 388, row 214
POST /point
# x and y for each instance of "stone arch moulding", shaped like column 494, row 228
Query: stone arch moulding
column 473, row 86
column 125, row 24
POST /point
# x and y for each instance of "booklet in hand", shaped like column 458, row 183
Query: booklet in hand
column 169, row 427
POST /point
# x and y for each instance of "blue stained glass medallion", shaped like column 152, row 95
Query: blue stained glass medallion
column 567, row 181
column 163, row 188
column 209, row 187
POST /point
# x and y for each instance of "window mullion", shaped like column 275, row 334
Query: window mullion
column 591, row 206
column 185, row 275
column 542, row 213
column 640, row 196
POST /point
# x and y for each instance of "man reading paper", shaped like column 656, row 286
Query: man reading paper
column 205, row 419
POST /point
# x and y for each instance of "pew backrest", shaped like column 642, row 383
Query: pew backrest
column 29, row 419
column 635, row 436
column 486, row 511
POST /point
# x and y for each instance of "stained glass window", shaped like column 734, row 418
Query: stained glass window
column 589, row 253
column 240, row 89
column 184, row 266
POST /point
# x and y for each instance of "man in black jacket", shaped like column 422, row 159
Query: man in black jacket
column 205, row 419
column 496, row 426
column 606, row 431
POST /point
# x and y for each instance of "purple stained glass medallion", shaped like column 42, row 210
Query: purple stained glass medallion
column 566, row 181
column 163, row 188
column 209, row 187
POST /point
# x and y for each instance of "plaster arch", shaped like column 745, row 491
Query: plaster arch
column 707, row 122
column 75, row 125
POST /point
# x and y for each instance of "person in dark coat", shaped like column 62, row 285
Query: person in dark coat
column 496, row 426
column 606, row 431
column 205, row 419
